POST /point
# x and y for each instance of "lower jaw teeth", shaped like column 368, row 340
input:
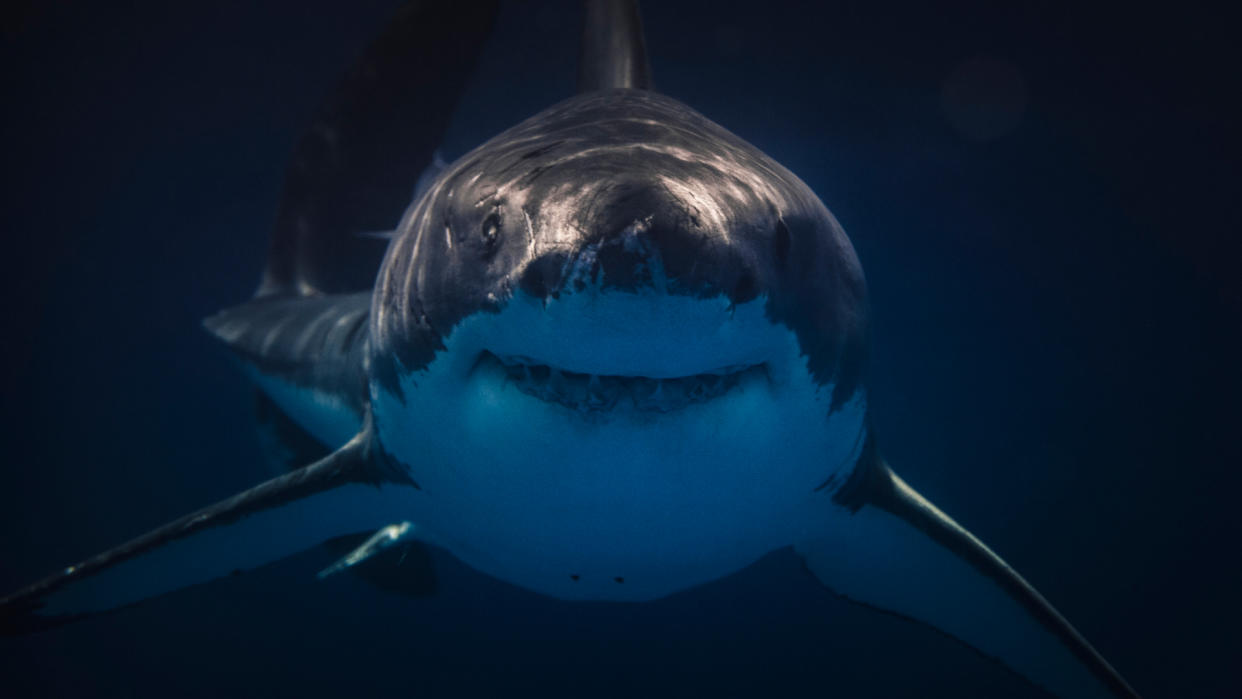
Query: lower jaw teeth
column 594, row 393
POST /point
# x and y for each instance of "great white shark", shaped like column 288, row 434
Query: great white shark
column 613, row 353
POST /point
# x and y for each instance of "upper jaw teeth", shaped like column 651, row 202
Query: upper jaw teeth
column 603, row 392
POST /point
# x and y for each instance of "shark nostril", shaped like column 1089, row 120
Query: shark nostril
column 533, row 282
column 542, row 276
column 745, row 289
column 781, row 241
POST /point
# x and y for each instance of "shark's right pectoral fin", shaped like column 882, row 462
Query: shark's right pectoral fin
column 895, row 551
column 343, row 493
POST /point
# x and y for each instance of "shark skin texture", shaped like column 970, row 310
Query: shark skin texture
column 613, row 353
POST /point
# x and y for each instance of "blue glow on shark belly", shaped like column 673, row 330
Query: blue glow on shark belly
column 623, row 504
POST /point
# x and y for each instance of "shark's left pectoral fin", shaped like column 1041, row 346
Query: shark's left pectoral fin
column 893, row 550
column 343, row 493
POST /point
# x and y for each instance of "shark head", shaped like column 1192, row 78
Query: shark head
column 618, row 328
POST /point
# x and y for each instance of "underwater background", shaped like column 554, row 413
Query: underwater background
column 1045, row 199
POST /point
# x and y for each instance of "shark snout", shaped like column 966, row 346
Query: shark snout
column 651, row 241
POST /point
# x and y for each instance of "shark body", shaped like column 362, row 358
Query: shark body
column 613, row 353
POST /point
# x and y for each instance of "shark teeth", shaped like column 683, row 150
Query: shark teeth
column 590, row 393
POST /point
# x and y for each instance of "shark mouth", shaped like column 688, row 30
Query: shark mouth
column 590, row 393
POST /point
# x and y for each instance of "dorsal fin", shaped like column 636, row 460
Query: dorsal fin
column 614, row 54
column 353, row 170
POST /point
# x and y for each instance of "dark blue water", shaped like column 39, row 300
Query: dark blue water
column 1054, row 289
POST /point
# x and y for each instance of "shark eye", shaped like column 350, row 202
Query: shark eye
column 491, row 231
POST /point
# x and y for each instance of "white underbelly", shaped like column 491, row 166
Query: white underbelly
column 619, row 509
